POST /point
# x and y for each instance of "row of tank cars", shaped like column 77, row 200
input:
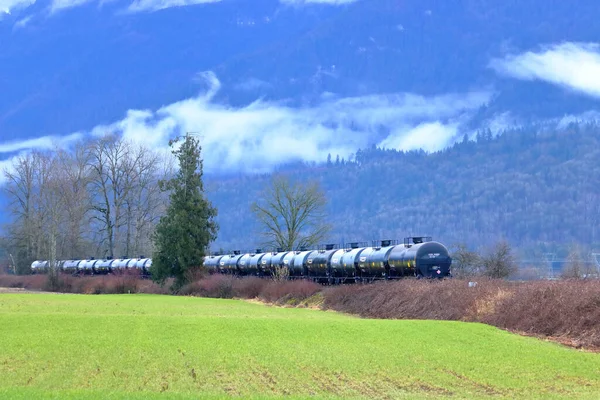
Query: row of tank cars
column 418, row 257
column 95, row 266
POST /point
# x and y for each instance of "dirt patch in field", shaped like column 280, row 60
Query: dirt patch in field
column 17, row 290
column 565, row 341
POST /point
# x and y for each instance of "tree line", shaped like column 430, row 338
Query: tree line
column 99, row 198
column 110, row 198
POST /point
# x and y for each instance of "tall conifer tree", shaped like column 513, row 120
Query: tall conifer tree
column 185, row 232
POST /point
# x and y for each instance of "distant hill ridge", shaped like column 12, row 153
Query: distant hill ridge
column 536, row 186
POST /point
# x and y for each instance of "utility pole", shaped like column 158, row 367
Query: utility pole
column 549, row 258
column 596, row 260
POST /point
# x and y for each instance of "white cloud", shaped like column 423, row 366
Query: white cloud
column 261, row 135
column 252, row 84
column 41, row 143
column 23, row 22
column 155, row 5
column 575, row 66
column 8, row 6
column 330, row 2
column 333, row 2
column 586, row 117
column 22, row 147
column 58, row 5
column 429, row 136
column 135, row 6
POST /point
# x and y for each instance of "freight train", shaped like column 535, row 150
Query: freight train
column 417, row 257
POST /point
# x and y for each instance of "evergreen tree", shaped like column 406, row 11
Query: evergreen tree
column 183, row 235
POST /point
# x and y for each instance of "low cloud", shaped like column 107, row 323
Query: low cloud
column 18, row 148
column 41, row 143
column 575, row 66
column 426, row 136
column 261, row 135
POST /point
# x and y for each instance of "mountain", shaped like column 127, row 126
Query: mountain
column 391, row 86
column 536, row 187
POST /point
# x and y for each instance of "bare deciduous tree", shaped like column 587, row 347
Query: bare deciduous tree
column 465, row 263
column 292, row 214
column 53, row 202
column 499, row 263
column 60, row 199
column 144, row 202
column 26, row 183
column 76, row 175
column 126, row 199
column 577, row 267
column 108, row 161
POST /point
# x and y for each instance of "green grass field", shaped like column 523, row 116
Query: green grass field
column 145, row 346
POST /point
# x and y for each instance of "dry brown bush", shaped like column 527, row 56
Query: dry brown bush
column 561, row 309
column 215, row 286
column 567, row 309
column 408, row 299
column 29, row 282
column 249, row 288
column 289, row 292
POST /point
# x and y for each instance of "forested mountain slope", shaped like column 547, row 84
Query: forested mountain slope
column 538, row 187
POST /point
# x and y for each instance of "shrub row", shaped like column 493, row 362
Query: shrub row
column 282, row 293
column 104, row 284
column 568, row 311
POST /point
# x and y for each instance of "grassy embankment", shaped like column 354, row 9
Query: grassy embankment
column 145, row 346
